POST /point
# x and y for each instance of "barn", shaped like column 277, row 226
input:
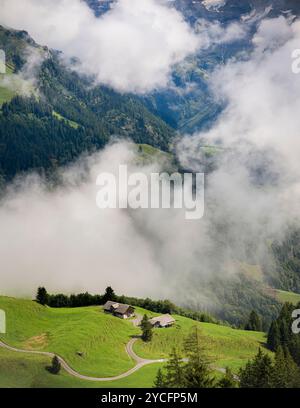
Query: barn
column 165, row 320
column 120, row 310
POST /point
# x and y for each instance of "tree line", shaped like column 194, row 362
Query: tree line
column 87, row 299
column 281, row 334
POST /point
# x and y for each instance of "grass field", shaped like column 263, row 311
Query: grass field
column 71, row 123
column 23, row 371
column 290, row 297
column 226, row 346
column 99, row 336
column 101, row 339
column 6, row 94
column 149, row 154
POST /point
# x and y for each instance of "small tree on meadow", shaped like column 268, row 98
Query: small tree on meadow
column 146, row 327
column 55, row 366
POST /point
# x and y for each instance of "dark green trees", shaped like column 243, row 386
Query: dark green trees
column 228, row 380
column 254, row 322
column 274, row 336
column 191, row 372
column 257, row 373
column 175, row 370
column 262, row 372
column 197, row 371
column 42, row 296
column 286, row 373
column 160, row 381
column 109, row 295
column 281, row 333
column 146, row 327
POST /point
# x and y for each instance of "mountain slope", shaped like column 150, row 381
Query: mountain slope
column 93, row 342
column 65, row 115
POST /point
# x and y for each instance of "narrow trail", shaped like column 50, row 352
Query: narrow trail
column 140, row 362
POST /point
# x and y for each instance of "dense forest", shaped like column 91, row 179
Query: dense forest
column 87, row 299
column 65, row 116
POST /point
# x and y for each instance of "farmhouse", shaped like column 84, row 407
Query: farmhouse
column 119, row 309
column 165, row 320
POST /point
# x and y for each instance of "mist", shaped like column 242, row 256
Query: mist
column 253, row 193
column 25, row 81
column 60, row 239
column 131, row 48
column 134, row 47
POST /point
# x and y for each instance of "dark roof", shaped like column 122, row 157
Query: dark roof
column 122, row 309
column 110, row 304
column 119, row 308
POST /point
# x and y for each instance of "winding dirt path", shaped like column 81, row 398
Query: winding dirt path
column 140, row 362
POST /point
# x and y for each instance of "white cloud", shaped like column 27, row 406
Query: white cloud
column 255, row 190
column 212, row 33
column 24, row 82
column 131, row 48
column 214, row 4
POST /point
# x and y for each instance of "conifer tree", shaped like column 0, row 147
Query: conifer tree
column 42, row 296
column 160, row 381
column 273, row 336
column 197, row 370
column 279, row 377
column 109, row 294
column 175, row 370
column 254, row 323
column 257, row 373
column 146, row 327
column 228, row 380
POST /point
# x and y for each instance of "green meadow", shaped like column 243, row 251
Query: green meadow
column 226, row 346
column 93, row 343
column 26, row 371
column 290, row 297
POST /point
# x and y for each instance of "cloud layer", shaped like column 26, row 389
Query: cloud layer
column 63, row 241
column 255, row 190
column 132, row 48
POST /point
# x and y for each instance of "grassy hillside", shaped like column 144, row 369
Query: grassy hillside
column 66, row 115
column 227, row 346
column 100, row 337
column 6, row 94
column 284, row 296
column 23, row 371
